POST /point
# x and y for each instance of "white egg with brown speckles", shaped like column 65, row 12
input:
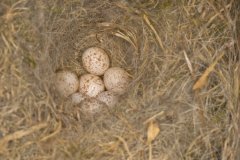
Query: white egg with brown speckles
column 66, row 83
column 116, row 80
column 95, row 60
column 91, row 106
column 91, row 85
column 108, row 97
column 77, row 98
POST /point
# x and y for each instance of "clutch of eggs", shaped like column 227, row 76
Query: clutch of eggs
column 90, row 91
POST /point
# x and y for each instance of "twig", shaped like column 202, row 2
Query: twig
column 59, row 127
column 153, row 117
column 19, row 134
column 146, row 19
column 125, row 146
column 150, row 151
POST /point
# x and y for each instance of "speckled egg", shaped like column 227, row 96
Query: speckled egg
column 66, row 83
column 95, row 60
column 108, row 97
column 77, row 98
column 91, row 85
column 116, row 80
column 91, row 106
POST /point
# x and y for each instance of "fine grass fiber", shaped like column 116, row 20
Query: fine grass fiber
column 183, row 57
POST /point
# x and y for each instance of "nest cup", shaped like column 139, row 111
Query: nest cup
column 98, row 28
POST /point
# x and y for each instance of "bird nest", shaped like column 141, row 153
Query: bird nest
column 182, row 103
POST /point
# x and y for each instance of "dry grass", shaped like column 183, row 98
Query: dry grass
column 168, row 46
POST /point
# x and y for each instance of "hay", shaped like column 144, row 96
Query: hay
column 166, row 46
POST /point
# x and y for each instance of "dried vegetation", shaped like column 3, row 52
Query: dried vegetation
column 182, row 54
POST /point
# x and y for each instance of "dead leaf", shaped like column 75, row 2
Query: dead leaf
column 153, row 131
column 203, row 79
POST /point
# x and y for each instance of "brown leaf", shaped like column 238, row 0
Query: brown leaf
column 153, row 131
column 203, row 79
